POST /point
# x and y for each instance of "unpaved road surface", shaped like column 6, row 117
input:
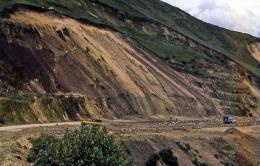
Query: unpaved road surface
column 22, row 127
column 144, row 138
column 127, row 125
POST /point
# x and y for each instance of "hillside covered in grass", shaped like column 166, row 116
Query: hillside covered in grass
column 156, row 26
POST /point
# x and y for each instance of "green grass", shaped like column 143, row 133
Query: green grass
column 19, row 109
column 168, row 51
column 232, row 44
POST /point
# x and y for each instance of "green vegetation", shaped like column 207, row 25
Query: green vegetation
column 165, row 155
column 90, row 146
column 20, row 109
column 232, row 44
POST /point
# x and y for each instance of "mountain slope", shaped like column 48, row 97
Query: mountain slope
column 115, row 65
column 62, row 55
column 133, row 17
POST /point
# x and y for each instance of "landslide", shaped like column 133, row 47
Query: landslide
column 90, row 71
column 56, row 54
column 254, row 50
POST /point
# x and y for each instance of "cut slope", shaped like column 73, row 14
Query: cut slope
column 57, row 54
column 47, row 53
column 254, row 49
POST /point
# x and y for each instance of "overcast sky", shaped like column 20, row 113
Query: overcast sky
column 238, row 15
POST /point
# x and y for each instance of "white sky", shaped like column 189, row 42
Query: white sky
column 238, row 15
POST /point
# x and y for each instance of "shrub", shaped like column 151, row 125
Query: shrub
column 1, row 121
column 153, row 159
column 165, row 155
column 168, row 157
column 90, row 146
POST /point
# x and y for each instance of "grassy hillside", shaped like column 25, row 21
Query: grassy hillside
column 232, row 44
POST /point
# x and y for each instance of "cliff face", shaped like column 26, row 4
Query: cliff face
column 254, row 50
column 56, row 68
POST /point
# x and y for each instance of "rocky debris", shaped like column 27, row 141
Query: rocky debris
column 200, row 162
column 194, row 154
column 226, row 153
column 183, row 146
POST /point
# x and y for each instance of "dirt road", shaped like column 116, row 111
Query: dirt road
column 22, row 127
column 143, row 138
column 131, row 126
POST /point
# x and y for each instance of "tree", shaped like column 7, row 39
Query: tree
column 91, row 146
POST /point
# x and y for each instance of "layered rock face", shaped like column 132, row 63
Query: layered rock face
column 255, row 51
column 56, row 68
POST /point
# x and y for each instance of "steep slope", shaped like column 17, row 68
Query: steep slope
column 56, row 68
column 55, row 60
column 254, row 49
column 57, row 54
column 149, row 22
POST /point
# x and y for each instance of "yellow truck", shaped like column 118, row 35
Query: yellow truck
column 91, row 122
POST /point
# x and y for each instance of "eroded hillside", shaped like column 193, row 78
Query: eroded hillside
column 54, row 68
column 255, row 50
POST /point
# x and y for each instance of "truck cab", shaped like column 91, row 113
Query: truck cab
column 229, row 119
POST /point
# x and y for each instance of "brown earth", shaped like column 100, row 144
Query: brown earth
column 61, row 64
column 54, row 68
column 255, row 50
column 213, row 146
